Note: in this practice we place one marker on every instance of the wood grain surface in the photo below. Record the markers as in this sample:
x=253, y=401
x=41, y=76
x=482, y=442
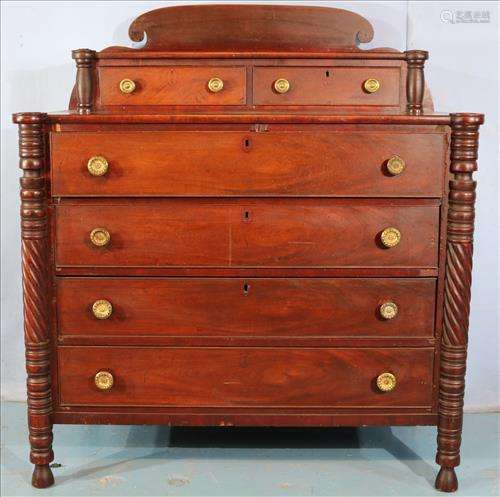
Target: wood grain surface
x=239, y=377
x=172, y=85
x=233, y=163
x=256, y=233
x=247, y=307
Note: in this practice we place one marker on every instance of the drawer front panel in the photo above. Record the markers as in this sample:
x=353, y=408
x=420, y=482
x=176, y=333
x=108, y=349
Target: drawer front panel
x=181, y=85
x=247, y=307
x=286, y=233
x=326, y=86
x=192, y=163
x=239, y=377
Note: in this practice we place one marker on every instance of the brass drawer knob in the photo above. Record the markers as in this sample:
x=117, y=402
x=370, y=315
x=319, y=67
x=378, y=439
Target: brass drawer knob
x=371, y=85
x=395, y=165
x=127, y=86
x=215, y=85
x=282, y=85
x=97, y=165
x=103, y=380
x=388, y=310
x=390, y=237
x=100, y=237
x=386, y=382
x=102, y=309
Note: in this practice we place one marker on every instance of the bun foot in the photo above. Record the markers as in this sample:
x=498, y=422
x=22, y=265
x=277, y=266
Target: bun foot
x=446, y=480
x=42, y=476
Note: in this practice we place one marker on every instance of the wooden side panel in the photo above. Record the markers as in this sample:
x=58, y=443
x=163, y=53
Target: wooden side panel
x=239, y=377
x=247, y=307
x=232, y=163
x=245, y=234
x=171, y=85
x=326, y=86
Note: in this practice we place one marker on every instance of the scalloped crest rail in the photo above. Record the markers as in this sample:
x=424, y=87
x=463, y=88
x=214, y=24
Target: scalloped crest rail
x=250, y=28
x=249, y=155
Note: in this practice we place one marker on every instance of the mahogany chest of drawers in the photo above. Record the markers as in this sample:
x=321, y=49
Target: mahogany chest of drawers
x=247, y=221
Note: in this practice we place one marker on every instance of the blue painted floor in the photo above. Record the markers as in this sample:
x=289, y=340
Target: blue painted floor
x=156, y=461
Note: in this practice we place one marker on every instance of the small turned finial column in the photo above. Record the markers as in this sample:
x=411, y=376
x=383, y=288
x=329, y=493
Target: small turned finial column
x=36, y=291
x=415, y=80
x=85, y=61
x=457, y=293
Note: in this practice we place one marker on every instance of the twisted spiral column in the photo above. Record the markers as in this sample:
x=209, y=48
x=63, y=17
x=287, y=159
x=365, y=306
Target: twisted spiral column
x=34, y=233
x=460, y=229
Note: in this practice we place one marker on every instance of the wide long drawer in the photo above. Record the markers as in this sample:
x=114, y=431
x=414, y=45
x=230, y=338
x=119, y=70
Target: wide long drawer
x=264, y=307
x=264, y=233
x=234, y=163
x=239, y=377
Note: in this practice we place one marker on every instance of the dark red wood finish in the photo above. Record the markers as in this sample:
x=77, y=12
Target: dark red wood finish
x=173, y=85
x=236, y=163
x=232, y=307
x=245, y=377
x=258, y=233
x=36, y=291
x=245, y=267
x=326, y=86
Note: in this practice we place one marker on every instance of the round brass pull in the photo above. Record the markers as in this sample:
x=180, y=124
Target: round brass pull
x=390, y=237
x=127, y=86
x=103, y=380
x=371, y=85
x=282, y=85
x=396, y=165
x=386, y=382
x=100, y=237
x=215, y=85
x=102, y=309
x=388, y=310
x=97, y=165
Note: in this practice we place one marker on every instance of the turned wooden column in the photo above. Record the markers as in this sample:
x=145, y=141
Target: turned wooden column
x=415, y=80
x=85, y=60
x=36, y=288
x=460, y=228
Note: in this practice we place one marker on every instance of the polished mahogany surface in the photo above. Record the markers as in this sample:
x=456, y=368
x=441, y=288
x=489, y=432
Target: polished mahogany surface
x=216, y=233
x=244, y=377
x=264, y=307
x=248, y=221
x=305, y=162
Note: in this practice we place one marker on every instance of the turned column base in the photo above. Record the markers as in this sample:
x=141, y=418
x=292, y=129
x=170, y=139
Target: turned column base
x=446, y=480
x=42, y=476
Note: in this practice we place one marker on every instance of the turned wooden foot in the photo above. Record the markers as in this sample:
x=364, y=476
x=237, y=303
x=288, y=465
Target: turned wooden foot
x=446, y=480
x=42, y=476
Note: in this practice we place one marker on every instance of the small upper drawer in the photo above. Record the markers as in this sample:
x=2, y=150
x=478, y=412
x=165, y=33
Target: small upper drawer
x=326, y=86
x=176, y=85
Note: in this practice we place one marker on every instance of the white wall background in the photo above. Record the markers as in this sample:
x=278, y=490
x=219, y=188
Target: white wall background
x=37, y=74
